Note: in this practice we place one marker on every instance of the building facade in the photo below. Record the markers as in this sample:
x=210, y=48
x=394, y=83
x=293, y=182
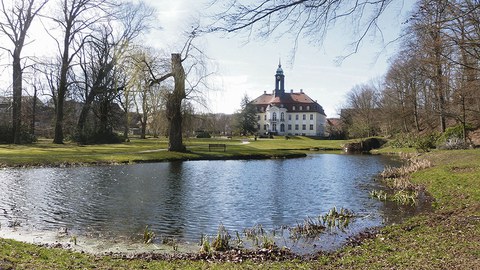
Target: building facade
x=288, y=113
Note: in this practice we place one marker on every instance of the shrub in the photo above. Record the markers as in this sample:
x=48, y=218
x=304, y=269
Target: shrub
x=203, y=134
x=452, y=138
x=6, y=135
x=426, y=142
x=99, y=137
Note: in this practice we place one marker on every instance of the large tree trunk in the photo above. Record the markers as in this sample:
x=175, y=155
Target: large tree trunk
x=17, y=97
x=82, y=119
x=62, y=89
x=174, y=106
x=34, y=110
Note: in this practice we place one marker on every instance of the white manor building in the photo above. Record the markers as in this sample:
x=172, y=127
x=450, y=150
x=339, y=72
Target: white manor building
x=292, y=113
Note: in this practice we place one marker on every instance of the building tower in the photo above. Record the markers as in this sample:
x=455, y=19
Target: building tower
x=279, y=81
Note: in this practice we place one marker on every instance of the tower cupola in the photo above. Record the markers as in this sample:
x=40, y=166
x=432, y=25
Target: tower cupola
x=279, y=80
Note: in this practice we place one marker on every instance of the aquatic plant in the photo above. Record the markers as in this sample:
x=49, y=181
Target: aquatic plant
x=205, y=244
x=310, y=228
x=337, y=219
x=222, y=241
x=14, y=224
x=402, y=197
x=148, y=235
x=405, y=197
x=255, y=231
x=268, y=243
x=238, y=240
x=414, y=164
x=74, y=240
x=378, y=194
x=170, y=241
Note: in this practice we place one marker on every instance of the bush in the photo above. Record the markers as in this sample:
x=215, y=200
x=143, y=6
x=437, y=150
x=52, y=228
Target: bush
x=6, y=135
x=426, y=142
x=203, y=134
x=452, y=138
x=402, y=140
x=99, y=137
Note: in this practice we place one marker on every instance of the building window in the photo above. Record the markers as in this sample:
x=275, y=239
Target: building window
x=274, y=116
x=296, y=116
x=258, y=117
x=282, y=116
x=311, y=116
x=265, y=127
x=293, y=108
x=304, y=127
x=304, y=117
x=282, y=128
x=308, y=108
x=289, y=117
x=258, y=127
x=311, y=127
x=274, y=127
x=265, y=117
x=289, y=127
x=301, y=108
x=296, y=127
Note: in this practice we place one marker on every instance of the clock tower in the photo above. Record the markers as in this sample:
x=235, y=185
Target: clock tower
x=279, y=81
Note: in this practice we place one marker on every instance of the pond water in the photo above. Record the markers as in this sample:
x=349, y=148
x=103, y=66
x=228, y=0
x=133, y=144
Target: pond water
x=184, y=200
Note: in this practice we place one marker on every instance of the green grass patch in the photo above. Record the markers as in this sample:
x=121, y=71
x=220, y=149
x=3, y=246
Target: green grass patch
x=149, y=150
x=446, y=238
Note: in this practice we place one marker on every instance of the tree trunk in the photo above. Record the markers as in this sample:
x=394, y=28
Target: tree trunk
x=104, y=109
x=34, y=110
x=62, y=89
x=174, y=106
x=82, y=119
x=17, y=97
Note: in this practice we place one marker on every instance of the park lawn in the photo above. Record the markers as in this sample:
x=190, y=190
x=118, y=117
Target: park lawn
x=446, y=238
x=45, y=153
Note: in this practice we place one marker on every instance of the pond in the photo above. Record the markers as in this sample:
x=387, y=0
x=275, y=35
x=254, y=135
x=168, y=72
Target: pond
x=185, y=200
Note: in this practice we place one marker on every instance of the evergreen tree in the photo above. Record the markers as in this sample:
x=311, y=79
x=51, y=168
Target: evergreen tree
x=246, y=117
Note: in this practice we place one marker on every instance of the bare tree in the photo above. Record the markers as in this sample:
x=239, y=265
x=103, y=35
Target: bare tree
x=362, y=112
x=103, y=50
x=75, y=20
x=175, y=98
x=16, y=19
x=300, y=18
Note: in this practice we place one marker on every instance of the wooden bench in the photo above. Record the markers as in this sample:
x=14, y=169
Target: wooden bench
x=217, y=145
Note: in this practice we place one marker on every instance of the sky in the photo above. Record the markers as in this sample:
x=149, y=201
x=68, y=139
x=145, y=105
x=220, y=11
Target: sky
x=248, y=67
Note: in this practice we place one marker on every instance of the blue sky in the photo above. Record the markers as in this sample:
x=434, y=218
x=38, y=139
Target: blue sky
x=249, y=67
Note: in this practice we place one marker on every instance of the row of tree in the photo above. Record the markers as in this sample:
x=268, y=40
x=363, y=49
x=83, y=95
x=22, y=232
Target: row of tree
x=433, y=81
x=98, y=65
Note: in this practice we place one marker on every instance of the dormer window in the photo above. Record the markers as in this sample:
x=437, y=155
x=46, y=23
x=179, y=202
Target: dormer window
x=308, y=108
x=293, y=108
x=301, y=108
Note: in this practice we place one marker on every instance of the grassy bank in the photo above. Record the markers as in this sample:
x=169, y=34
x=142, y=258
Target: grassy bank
x=447, y=238
x=44, y=153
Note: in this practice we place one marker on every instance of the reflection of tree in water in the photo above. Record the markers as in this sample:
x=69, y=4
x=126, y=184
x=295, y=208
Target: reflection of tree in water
x=172, y=214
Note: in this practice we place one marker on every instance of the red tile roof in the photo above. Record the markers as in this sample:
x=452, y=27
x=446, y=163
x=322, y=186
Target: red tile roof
x=288, y=100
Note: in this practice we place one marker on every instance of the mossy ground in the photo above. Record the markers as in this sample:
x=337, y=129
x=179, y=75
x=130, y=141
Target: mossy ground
x=446, y=238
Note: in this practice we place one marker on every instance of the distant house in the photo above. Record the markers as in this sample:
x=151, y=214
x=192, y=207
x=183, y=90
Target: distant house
x=288, y=113
x=5, y=110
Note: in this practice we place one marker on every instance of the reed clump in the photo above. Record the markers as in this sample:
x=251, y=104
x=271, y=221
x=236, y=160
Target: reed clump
x=398, y=180
x=148, y=235
x=313, y=227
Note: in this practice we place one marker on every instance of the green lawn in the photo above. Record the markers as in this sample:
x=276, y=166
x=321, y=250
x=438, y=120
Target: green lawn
x=446, y=238
x=137, y=150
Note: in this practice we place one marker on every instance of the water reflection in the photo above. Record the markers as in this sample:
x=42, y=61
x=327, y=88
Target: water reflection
x=186, y=199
